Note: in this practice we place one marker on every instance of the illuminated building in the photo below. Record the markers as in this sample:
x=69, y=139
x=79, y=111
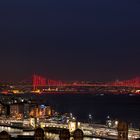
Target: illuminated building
x=33, y=122
x=49, y=111
x=20, y=110
x=72, y=125
x=42, y=111
x=16, y=109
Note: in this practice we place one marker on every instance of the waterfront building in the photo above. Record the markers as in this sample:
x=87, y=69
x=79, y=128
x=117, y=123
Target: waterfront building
x=72, y=125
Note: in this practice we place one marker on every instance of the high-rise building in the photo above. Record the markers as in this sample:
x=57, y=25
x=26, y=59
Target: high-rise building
x=20, y=110
x=3, y=110
x=16, y=110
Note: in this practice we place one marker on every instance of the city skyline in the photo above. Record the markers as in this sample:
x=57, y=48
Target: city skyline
x=70, y=40
x=69, y=69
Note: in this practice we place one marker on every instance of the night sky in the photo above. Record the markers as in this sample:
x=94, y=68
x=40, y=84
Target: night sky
x=70, y=39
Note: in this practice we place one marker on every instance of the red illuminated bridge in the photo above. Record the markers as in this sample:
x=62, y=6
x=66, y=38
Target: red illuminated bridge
x=39, y=81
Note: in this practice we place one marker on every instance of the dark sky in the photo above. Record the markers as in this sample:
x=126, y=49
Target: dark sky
x=70, y=39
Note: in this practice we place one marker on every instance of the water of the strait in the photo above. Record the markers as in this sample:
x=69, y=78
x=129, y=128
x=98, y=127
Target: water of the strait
x=122, y=107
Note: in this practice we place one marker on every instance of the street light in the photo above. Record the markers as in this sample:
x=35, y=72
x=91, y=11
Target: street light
x=71, y=115
x=108, y=121
x=90, y=118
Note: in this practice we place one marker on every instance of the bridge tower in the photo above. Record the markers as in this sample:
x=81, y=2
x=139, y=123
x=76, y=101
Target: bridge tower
x=38, y=81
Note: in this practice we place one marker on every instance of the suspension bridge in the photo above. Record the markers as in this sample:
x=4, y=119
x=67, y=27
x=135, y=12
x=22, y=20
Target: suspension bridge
x=36, y=82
